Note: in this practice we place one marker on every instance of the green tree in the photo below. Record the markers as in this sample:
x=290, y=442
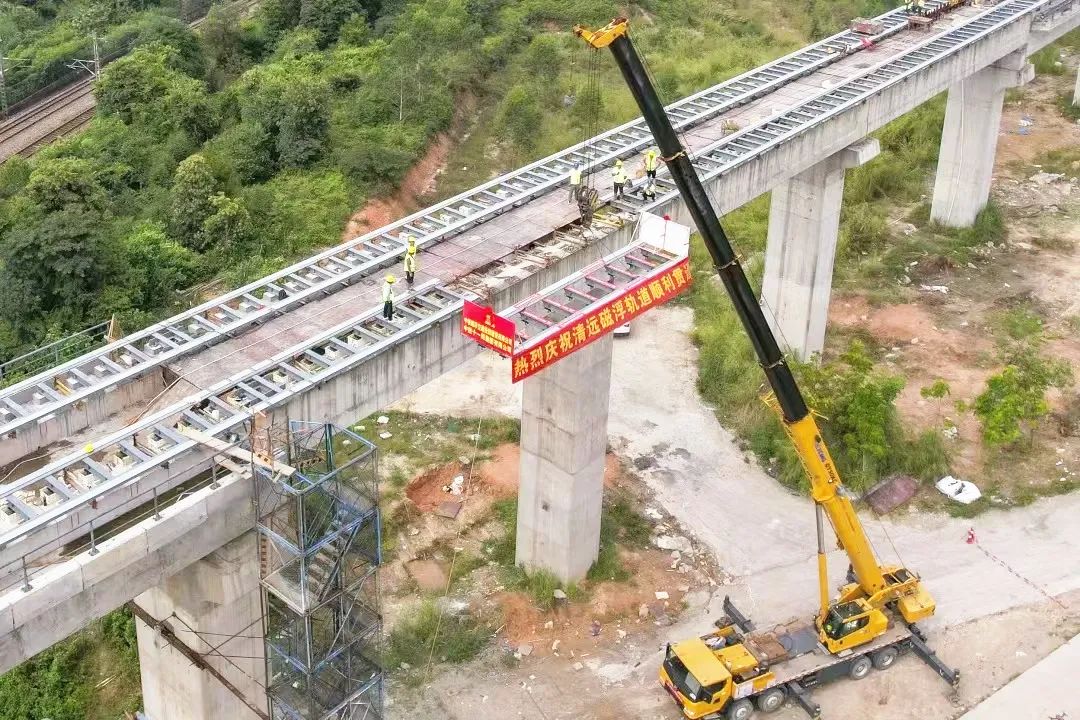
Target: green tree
x=1014, y=400
x=155, y=29
x=543, y=59
x=938, y=391
x=326, y=17
x=157, y=266
x=14, y=174
x=245, y=151
x=145, y=88
x=293, y=105
x=57, y=183
x=223, y=43
x=53, y=270
x=194, y=186
x=520, y=118
x=230, y=224
x=859, y=404
x=279, y=16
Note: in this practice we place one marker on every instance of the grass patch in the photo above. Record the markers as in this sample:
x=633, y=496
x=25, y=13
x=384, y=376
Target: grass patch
x=424, y=439
x=1066, y=108
x=1048, y=61
x=621, y=525
x=427, y=631
x=1018, y=323
x=464, y=565
x=1065, y=161
x=62, y=682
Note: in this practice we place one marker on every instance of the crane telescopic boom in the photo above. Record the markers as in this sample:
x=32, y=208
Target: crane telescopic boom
x=877, y=585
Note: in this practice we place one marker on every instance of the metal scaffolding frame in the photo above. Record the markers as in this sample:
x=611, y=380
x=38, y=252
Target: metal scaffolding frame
x=319, y=553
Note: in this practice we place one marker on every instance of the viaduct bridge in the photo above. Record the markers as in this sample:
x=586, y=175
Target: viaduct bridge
x=157, y=420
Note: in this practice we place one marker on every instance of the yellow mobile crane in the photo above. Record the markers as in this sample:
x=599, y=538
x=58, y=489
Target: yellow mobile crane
x=730, y=671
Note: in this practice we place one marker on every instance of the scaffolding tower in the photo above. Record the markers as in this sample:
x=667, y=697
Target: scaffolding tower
x=319, y=552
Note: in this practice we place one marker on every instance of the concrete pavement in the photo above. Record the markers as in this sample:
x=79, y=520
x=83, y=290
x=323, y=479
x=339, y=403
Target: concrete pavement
x=1047, y=690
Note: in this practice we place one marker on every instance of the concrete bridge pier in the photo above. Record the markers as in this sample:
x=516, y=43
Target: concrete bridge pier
x=969, y=139
x=804, y=219
x=218, y=597
x=563, y=451
x=1076, y=89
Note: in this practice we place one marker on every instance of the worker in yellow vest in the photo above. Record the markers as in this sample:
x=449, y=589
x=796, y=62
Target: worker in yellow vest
x=575, y=182
x=388, y=297
x=619, y=178
x=652, y=161
x=410, y=264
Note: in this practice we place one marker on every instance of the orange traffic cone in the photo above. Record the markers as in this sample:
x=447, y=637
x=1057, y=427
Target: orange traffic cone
x=971, y=536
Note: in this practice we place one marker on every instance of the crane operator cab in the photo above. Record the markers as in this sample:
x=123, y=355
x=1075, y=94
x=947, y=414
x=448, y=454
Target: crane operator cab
x=850, y=624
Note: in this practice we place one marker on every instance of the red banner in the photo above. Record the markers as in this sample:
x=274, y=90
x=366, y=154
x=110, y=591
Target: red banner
x=578, y=332
x=485, y=327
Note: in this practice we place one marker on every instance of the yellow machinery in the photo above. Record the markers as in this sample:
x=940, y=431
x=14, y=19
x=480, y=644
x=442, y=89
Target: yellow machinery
x=724, y=670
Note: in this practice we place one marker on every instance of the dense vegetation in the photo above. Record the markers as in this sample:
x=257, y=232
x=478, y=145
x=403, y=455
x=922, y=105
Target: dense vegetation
x=93, y=675
x=39, y=39
x=220, y=156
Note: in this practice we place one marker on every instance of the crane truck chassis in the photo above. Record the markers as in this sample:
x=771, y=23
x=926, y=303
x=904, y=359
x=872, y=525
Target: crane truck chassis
x=751, y=669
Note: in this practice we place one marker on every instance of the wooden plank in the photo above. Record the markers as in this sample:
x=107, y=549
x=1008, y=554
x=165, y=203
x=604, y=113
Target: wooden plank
x=220, y=446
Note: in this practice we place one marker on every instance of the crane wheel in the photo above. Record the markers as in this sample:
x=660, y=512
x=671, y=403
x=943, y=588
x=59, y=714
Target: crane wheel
x=740, y=710
x=884, y=658
x=771, y=700
x=860, y=668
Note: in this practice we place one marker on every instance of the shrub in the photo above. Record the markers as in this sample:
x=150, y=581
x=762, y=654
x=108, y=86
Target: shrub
x=1014, y=400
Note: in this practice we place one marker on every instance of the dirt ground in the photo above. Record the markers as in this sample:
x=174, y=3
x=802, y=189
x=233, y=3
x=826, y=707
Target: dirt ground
x=951, y=335
x=434, y=545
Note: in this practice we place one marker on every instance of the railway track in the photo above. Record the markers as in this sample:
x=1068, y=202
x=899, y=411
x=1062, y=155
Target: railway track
x=27, y=120
x=22, y=121
x=71, y=126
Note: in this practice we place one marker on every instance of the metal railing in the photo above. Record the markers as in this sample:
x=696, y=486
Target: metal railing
x=55, y=353
x=742, y=146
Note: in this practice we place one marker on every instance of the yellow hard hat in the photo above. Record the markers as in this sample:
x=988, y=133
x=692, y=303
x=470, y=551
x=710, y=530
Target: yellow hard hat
x=391, y=279
x=618, y=163
x=412, y=239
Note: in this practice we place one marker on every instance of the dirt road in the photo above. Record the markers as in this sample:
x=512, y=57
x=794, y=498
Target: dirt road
x=763, y=536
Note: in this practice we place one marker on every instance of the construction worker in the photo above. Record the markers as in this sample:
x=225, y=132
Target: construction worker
x=652, y=161
x=388, y=297
x=619, y=178
x=410, y=264
x=575, y=182
x=648, y=190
